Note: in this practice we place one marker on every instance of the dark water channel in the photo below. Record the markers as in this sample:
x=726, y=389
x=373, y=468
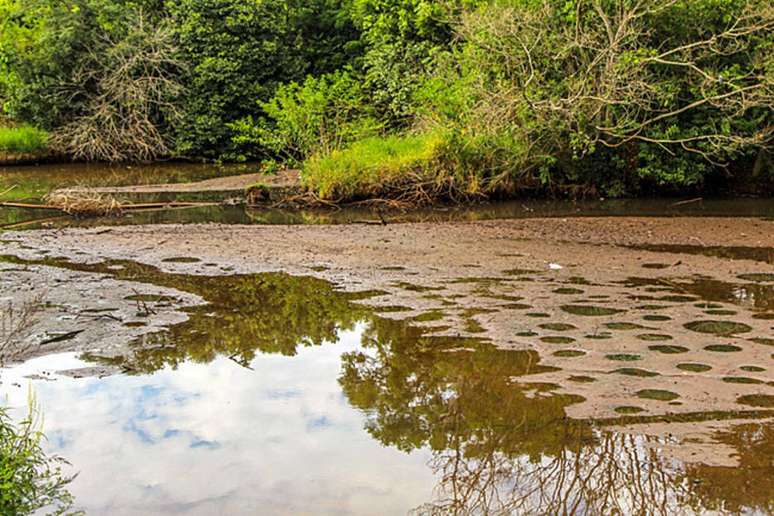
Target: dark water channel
x=284, y=396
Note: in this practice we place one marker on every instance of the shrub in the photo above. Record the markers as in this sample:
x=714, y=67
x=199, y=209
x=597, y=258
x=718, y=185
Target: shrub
x=318, y=116
x=30, y=480
x=614, y=93
x=22, y=140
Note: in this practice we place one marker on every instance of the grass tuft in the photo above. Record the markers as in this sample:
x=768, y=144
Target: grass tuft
x=22, y=140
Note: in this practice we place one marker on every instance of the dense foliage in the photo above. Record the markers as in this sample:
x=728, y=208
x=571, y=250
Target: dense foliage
x=416, y=98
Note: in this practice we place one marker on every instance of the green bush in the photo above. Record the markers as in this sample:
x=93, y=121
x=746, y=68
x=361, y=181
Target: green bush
x=239, y=53
x=317, y=116
x=30, y=480
x=22, y=140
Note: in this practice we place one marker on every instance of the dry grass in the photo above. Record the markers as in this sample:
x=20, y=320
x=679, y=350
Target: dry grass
x=14, y=320
x=84, y=203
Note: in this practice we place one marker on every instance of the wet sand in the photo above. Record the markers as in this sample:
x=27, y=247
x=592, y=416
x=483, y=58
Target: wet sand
x=614, y=320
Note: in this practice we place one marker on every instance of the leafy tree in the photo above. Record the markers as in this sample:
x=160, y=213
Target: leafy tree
x=240, y=52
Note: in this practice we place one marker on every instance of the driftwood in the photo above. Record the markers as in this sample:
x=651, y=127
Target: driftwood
x=122, y=207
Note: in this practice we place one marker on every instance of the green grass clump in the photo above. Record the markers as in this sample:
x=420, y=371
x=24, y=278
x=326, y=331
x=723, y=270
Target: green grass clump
x=415, y=169
x=370, y=166
x=22, y=140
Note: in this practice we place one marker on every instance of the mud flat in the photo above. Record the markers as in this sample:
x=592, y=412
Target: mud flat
x=629, y=330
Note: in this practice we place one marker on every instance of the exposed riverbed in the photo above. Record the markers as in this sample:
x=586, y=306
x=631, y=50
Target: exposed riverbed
x=537, y=365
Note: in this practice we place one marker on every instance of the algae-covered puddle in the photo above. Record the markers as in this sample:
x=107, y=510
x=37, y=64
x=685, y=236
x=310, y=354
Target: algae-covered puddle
x=284, y=396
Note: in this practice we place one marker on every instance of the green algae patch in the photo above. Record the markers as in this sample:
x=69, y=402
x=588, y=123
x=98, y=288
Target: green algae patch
x=538, y=315
x=657, y=394
x=623, y=357
x=757, y=400
x=753, y=369
x=654, y=317
x=742, y=379
x=590, y=310
x=582, y=379
x=627, y=409
x=556, y=339
x=656, y=266
x=668, y=350
x=633, y=371
x=763, y=340
x=721, y=312
x=432, y=315
x=515, y=306
x=565, y=291
x=569, y=353
x=600, y=336
x=723, y=348
x=181, y=259
x=527, y=334
x=558, y=326
x=653, y=337
x=718, y=327
x=762, y=277
x=694, y=368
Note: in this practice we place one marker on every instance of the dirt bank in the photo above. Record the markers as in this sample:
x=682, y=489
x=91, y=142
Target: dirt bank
x=620, y=323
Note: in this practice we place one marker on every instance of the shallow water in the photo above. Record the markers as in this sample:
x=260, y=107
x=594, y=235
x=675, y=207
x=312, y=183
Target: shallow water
x=32, y=183
x=285, y=396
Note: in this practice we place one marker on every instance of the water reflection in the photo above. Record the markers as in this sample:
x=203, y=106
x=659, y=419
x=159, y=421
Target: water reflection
x=284, y=396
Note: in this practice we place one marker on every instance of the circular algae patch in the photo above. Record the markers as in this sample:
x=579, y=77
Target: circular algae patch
x=623, y=357
x=652, y=337
x=569, y=353
x=718, y=327
x=558, y=326
x=627, y=409
x=657, y=394
x=633, y=371
x=556, y=339
x=694, y=368
x=668, y=350
x=742, y=379
x=757, y=400
x=723, y=348
x=181, y=259
x=590, y=310
x=567, y=291
x=582, y=379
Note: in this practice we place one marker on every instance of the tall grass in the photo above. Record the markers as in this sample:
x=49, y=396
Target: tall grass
x=417, y=169
x=22, y=140
x=30, y=480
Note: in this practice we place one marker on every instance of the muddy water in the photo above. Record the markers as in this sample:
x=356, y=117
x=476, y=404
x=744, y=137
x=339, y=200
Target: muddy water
x=285, y=396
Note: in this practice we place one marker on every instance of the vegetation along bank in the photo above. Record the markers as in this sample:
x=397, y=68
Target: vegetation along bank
x=412, y=100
